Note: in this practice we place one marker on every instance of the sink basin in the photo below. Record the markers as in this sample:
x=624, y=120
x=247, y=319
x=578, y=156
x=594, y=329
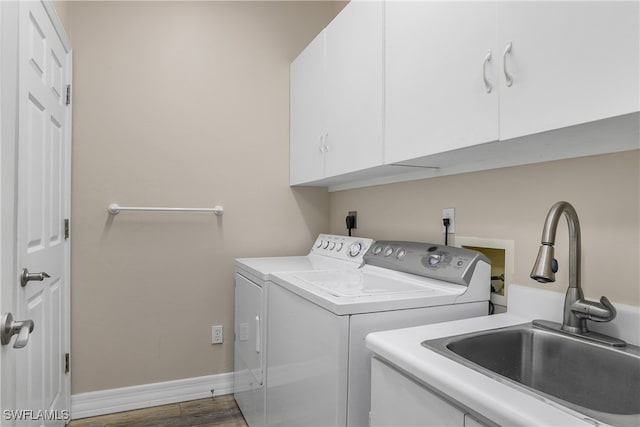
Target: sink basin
x=599, y=381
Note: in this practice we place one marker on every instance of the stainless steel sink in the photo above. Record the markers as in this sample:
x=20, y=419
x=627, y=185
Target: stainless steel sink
x=602, y=382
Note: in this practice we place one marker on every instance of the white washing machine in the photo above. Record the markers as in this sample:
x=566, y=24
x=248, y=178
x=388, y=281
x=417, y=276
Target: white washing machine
x=317, y=362
x=252, y=275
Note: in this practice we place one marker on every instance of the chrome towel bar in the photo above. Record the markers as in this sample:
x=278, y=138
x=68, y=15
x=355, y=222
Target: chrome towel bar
x=115, y=209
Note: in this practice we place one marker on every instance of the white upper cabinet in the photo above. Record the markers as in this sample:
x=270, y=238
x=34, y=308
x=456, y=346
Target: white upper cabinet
x=552, y=64
x=441, y=77
x=336, y=97
x=354, y=88
x=440, y=85
x=308, y=113
x=571, y=63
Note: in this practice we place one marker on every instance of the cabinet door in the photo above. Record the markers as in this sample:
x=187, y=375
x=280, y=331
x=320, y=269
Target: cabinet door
x=572, y=62
x=307, y=113
x=436, y=97
x=399, y=401
x=354, y=88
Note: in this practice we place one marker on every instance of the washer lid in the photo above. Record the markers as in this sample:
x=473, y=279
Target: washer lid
x=368, y=290
x=358, y=283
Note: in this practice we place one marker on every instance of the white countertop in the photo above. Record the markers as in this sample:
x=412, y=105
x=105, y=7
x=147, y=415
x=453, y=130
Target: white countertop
x=495, y=400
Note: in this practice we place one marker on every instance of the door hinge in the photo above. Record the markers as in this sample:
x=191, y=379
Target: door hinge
x=66, y=229
x=67, y=363
x=68, y=101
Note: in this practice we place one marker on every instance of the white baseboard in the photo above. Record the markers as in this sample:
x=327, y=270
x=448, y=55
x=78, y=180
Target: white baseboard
x=143, y=396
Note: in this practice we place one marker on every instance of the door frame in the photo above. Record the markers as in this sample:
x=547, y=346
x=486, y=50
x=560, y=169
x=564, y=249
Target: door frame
x=66, y=44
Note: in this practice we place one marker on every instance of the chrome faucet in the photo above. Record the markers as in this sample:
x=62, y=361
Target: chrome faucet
x=577, y=310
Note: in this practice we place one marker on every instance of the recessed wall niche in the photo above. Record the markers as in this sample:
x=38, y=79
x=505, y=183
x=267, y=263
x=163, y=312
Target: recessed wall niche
x=501, y=253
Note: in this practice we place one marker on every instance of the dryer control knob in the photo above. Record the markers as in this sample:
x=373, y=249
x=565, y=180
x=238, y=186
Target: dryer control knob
x=355, y=249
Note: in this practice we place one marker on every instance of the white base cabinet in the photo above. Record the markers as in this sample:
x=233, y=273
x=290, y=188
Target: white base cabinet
x=397, y=400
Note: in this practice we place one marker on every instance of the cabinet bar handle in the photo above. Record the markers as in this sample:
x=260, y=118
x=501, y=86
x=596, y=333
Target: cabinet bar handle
x=507, y=75
x=258, y=335
x=487, y=82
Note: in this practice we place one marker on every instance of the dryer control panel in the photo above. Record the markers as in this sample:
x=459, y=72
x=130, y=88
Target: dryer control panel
x=346, y=248
x=447, y=263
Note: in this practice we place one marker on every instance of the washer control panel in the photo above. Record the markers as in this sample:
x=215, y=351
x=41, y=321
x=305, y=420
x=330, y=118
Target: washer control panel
x=342, y=247
x=447, y=263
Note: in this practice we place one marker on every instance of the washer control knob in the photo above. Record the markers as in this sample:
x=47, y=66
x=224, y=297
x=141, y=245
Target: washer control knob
x=355, y=249
x=325, y=245
x=434, y=260
x=400, y=253
x=339, y=246
x=332, y=245
x=388, y=251
x=377, y=249
x=319, y=244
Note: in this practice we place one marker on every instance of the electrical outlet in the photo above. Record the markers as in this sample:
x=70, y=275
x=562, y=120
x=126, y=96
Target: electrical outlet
x=451, y=214
x=354, y=214
x=217, y=334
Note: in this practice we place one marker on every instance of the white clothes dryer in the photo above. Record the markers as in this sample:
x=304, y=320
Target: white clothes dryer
x=317, y=362
x=252, y=275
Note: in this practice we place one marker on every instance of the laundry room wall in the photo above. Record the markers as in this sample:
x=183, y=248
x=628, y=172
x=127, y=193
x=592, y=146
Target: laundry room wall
x=511, y=204
x=62, y=10
x=182, y=104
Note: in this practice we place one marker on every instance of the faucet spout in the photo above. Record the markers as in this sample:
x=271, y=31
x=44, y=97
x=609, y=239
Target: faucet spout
x=546, y=265
x=577, y=310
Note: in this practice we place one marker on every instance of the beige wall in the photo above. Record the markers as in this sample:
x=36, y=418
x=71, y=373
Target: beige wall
x=186, y=104
x=62, y=10
x=512, y=204
x=178, y=104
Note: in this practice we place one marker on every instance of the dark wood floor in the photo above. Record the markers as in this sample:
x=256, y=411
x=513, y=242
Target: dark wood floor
x=220, y=411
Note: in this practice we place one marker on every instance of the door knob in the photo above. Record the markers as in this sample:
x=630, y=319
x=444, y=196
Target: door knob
x=10, y=327
x=26, y=277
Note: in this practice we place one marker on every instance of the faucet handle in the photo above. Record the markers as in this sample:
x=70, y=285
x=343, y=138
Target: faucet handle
x=602, y=311
x=609, y=308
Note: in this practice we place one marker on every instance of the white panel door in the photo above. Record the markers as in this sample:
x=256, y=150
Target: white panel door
x=43, y=204
x=308, y=105
x=572, y=62
x=354, y=88
x=8, y=132
x=437, y=77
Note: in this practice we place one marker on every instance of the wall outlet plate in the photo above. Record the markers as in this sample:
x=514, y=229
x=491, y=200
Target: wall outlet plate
x=451, y=214
x=217, y=334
